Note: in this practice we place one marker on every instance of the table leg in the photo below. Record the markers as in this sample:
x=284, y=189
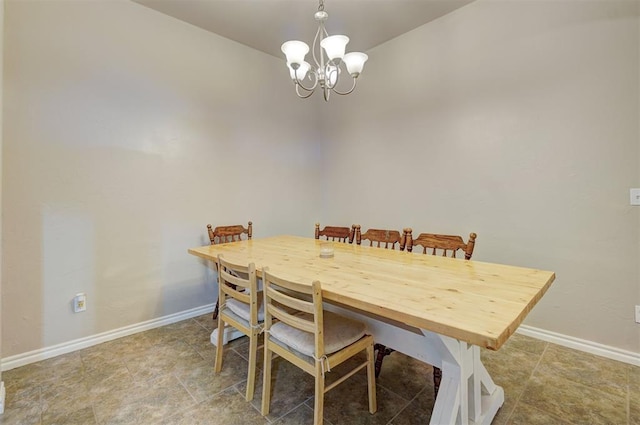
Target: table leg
x=467, y=393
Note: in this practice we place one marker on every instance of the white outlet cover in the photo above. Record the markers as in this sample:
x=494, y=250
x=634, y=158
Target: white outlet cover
x=638, y=314
x=634, y=196
x=80, y=303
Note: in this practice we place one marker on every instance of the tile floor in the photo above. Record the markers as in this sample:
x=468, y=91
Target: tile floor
x=165, y=376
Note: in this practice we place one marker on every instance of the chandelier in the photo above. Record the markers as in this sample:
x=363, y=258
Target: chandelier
x=328, y=55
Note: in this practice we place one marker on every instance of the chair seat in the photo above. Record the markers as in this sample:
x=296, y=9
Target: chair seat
x=242, y=310
x=339, y=332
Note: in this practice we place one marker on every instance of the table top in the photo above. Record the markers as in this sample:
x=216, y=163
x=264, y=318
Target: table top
x=473, y=301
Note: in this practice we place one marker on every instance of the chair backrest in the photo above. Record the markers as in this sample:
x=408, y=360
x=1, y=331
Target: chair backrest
x=233, y=284
x=382, y=238
x=446, y=245
x=222, y=234
x=335, y=233
x=285, y=301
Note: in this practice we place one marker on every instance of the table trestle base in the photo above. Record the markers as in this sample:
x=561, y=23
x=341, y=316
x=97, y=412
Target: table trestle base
x=467, y=393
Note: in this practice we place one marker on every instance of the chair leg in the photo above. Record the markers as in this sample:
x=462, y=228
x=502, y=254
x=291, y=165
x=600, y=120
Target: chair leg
x=371, y=381
x=266, y=381
x=214, y=316
x=251, y=378
x=318, y=406
x=218, y=365
x=382, y=351
x=437, y=378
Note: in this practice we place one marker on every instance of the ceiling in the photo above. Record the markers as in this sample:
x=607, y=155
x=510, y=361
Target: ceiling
x=266, y=24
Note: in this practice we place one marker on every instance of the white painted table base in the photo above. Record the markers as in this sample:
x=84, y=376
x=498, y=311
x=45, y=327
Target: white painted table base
x=230, y=334
x=467, y=393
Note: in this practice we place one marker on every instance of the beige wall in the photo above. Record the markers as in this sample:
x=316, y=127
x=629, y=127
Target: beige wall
x=517, y=120
x=514, y=119
x=127, y=132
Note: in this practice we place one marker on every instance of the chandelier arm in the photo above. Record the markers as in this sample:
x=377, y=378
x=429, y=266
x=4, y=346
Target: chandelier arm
x=327, y=75
x=313, y=46
x=298, y=83
x=350, y=90
x=304, y=96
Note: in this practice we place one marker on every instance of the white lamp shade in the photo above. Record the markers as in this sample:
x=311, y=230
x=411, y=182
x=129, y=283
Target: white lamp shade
x=301, y=72
x=334, y=46
x=295, y=51
x=355, y=62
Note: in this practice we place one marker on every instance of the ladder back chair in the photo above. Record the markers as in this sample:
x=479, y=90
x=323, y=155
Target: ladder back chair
x=335, y=233
x=223, y=234
x=382, y=238
x=240, y=307
x=312, y=339
x=433, y=244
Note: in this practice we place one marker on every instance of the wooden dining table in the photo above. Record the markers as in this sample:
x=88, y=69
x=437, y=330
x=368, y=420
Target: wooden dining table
x=436, y=309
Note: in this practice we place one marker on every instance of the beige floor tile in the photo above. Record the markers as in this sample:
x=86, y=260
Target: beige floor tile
x=165, y=376
x=165, y=396
x=169, y=356
x=202, y=382
x=206, y=321
x=117, y=349
x=525, y=343
x=348, y=403
x=528, y=415
x=302, y=415
x=22, y=396
x=634, y=399
x=112, y=377
x=243, y=350
x=22, y=377
x=83, y=416
x=573, y=402
x=290, y=387
x=404, y=375
x=24, y=415
x=65, y=395
x=418, y=411
x=225, y=408
x=587, y=369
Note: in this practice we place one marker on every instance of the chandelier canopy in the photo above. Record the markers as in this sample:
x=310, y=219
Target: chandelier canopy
x=328, y=54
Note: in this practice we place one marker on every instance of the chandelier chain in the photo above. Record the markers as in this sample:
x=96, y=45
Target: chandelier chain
x=321, y=6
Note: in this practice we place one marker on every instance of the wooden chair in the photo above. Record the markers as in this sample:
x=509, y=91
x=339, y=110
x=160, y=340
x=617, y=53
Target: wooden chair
x=433, y=244
x=312, y=339
x=333, y=233
x=241, y=307
x=223, y=234
x=380, y=237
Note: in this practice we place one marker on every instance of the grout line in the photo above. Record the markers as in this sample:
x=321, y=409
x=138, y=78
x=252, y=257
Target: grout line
x=406, y=405
x=526, y=385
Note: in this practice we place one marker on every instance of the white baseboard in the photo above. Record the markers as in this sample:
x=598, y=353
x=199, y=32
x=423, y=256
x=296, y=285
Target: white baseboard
x=78, y=344
x=581, y=345
x=2, y=393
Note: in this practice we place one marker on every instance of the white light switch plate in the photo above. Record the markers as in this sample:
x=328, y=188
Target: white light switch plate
x=634, y=196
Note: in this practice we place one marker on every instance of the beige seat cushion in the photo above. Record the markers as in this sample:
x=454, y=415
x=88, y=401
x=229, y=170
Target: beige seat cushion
x=339, y=332
x=241, y=309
